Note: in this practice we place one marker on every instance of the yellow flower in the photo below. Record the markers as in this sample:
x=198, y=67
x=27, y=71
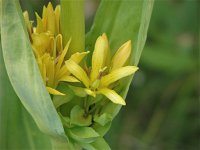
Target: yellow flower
x=50, y=21
x=102, y=75
x=47, y=44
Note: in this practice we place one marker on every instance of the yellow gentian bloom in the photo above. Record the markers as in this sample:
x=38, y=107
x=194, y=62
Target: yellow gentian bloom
x=102, y=75
x=47, y=44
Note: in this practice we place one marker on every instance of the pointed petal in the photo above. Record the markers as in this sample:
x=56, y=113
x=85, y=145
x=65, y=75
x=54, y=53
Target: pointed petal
x=69, y=79
x=90, y=92
x=57, y=16
x=107, y=52
x=40, y=27
x=50, y=72
x=77, y=57
x=77, y=71
x=44, y=18
x=117, y=74
x=62, y=72
x=51, y=21
x=98, y=57
x=41, y=41
x=54, y=91
x=62, y=56
x=59, y=44
x=121, y=56
x=112, y=95
x=52, y=47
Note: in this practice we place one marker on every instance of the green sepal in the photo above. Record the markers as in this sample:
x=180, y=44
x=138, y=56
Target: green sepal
x=101, y=130
x=83, y=134
x=78, y=91
x=99, y=144
x=78, y=117
x=103, y=119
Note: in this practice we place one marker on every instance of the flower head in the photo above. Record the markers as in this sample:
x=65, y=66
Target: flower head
x=47, y=44
x=102, y=74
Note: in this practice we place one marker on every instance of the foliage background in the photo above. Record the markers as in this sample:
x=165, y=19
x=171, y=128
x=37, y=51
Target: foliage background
x=162, y=109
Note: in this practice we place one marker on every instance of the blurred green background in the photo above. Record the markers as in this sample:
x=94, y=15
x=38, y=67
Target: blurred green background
x=162, y=111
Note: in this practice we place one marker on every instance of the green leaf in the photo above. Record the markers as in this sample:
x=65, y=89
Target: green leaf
x=79, y=118
x=73, y=24
x=100, y=143
x=83, y=134
x=23, y=71
x=17, y=129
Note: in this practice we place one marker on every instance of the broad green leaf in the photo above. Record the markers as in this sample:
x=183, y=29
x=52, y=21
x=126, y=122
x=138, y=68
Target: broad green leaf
x=17, y=129
x=78, y=117
x=73, y=24
x=83, y=134
x=122, y=21
x=23, y=71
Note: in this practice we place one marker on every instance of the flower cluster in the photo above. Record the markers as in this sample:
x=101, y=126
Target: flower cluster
x=100, y=77
x=47, y=44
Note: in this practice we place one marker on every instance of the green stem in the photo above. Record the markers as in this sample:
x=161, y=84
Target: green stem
x=73, y=24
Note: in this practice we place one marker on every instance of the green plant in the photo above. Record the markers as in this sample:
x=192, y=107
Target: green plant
x=61, y=118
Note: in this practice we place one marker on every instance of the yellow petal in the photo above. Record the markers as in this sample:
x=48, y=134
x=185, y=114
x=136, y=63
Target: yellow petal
x=107, y=51
x=112, y=95
x=98, y=57
x=42, y=68
x=40, y=27
x=68, y=78
x=41, y=41
x=51, y=21
x=54, y=91
x=62, y=56
x=62, y=72
x=77, y=57
x=117, y=74
x=90, y=92
x=50, y=72
x=52, y=47
x=121, y=56
x=77, y=71
x=44, y=18
x=57, y=16
x=59, y=44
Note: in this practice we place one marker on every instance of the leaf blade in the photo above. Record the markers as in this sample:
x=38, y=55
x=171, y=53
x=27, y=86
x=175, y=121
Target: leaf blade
x=23, y=71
